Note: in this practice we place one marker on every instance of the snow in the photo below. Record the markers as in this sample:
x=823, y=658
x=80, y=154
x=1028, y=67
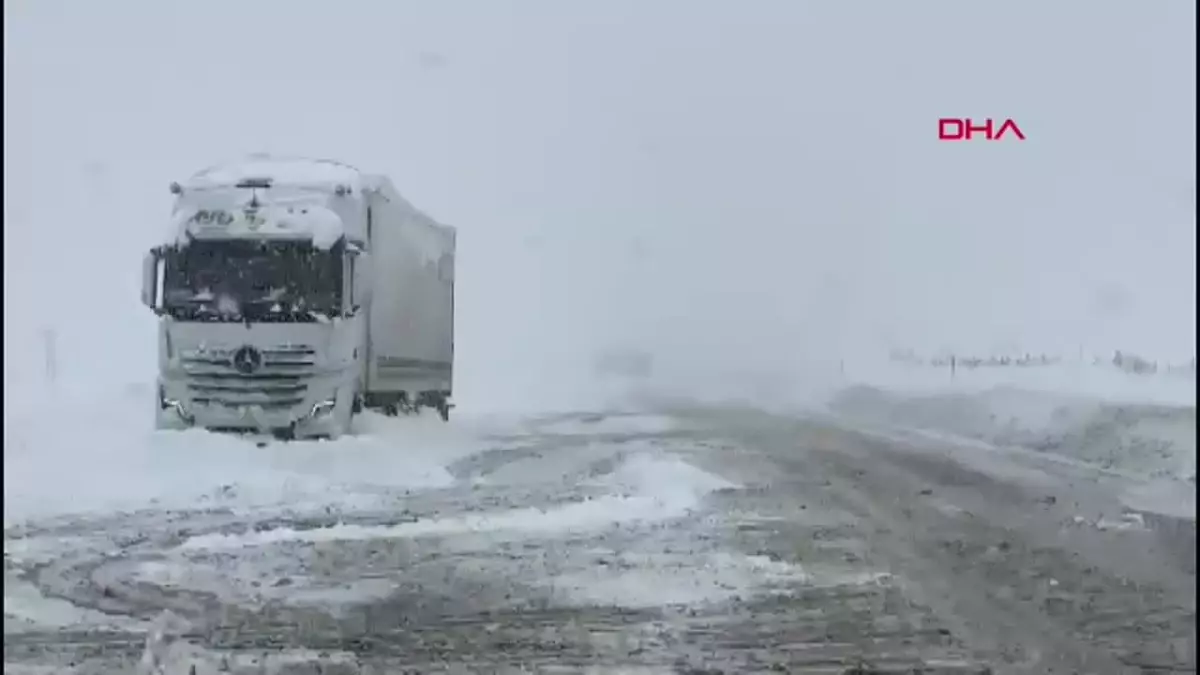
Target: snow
x=663, y=579
x=1146, y=440
x=546, y=387
x=108, y=458
x=281, y=169
x=643, y=580
x=1166, y=497
x=108, y=462
x=212, y=205
x=181, y=658
x=654, y=489
x=608, y=424
x=1073, y=378
x=1135, y=430
x=117, y=462
x=167, y=656
x=26, y=607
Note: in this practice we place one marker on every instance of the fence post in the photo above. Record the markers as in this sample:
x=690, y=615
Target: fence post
x=50, y=352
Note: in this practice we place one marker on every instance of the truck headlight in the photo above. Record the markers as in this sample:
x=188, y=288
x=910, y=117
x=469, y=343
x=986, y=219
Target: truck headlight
x=322, y=408
x=172, y=404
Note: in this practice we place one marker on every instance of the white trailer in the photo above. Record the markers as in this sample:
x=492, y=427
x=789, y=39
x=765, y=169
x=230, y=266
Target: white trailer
x=410, y=336
x=293, y=293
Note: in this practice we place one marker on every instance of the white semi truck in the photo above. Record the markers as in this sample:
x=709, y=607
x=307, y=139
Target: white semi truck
x=292, y=294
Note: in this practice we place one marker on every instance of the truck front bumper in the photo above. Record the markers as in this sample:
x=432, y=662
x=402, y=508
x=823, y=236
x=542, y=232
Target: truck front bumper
x=318, y=416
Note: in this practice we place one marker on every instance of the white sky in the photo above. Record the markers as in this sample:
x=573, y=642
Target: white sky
x=722, y=182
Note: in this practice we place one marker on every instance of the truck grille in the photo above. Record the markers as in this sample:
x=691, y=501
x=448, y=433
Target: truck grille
x=280, y=383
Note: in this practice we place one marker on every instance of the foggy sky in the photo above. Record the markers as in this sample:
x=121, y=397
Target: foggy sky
x=732, y=184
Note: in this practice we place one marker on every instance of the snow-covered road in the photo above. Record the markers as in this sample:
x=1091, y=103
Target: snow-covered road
x=700, y=539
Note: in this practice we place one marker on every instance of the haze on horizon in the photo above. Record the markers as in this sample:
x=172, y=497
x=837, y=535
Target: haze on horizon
x=729, y=185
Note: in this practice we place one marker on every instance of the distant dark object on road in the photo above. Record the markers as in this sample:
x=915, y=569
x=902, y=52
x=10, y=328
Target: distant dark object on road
x=624, y=362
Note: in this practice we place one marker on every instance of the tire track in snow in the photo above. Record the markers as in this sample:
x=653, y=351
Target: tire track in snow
x=993, y=559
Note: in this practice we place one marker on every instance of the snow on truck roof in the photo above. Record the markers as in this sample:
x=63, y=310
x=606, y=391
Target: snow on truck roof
x=280, y=171
x=214, y=203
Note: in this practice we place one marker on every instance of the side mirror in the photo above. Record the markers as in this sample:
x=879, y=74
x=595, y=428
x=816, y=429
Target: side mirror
x=150, y=278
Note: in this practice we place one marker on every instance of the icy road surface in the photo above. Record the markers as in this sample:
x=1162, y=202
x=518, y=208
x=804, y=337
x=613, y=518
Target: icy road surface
x=689, y=541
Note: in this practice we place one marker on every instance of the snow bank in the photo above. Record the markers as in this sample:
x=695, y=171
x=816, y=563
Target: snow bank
x=807, y=382
x=87, y=451
x=1136, y=425
x=646, y=489
x=1078, y=378
x=25, y=606
x=1153, y=445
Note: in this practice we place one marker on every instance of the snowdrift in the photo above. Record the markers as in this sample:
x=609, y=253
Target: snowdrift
x=82, y=451
x=1147, y=440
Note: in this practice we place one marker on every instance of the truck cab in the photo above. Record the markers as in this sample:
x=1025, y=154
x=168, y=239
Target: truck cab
x=262, y=293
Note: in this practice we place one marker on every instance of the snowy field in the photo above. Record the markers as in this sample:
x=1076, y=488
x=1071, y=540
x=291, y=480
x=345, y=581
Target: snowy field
x=1139, y=431
x=1079, y=379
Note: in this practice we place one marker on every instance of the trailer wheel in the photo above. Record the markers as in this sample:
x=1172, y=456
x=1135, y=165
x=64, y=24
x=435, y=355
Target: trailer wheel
x=394, y=405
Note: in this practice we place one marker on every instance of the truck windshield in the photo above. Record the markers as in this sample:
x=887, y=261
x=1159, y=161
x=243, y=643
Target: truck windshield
x=238, y=280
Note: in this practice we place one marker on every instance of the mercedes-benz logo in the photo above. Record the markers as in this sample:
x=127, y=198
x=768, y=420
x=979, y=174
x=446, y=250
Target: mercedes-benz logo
x=247, y=359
